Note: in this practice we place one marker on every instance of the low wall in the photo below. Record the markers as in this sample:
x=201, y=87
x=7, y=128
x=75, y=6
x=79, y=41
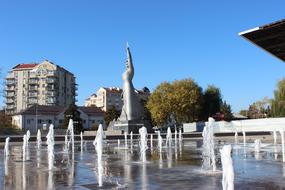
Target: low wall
x=248, y=125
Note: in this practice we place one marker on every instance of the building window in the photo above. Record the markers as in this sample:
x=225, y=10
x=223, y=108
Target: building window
x=43, y=85
x=39, y=121
x=50, y=121
x=84, y=121
x=60, y=121
x=28, y=121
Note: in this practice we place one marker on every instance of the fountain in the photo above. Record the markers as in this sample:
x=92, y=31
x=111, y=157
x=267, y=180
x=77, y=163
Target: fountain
x=159, y=143
x=274, y=137
x=175, y=135
x=131, y=136
x=70, y=132
x=98, y=143
x=39, y=139
x=209, y=158
x=6, y=148
x=143, y=143
x=282, y=144
x=257, y=143
x=168, y=137
x=24, y=147
x=228, y=171
x=236, y=137
x=180, y=135
x=244, y=137
x=119, y=142
x=50, y=144
x=126, y=140
x=81, y=141
x=28, y=137
x=151, y=141
x=65, y=143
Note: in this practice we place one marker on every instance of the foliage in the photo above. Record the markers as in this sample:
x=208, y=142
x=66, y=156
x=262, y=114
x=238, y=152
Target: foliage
x=243, y=112
x=227, y=111
x=258, y=109
x=72, y=113
x=6, y=127
x=278, y=103
x=183, y=98
x=111, y=115
x=146, y=113
x=212, y=101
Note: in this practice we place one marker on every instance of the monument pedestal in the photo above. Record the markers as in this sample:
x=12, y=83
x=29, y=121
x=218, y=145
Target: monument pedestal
x=132, y=126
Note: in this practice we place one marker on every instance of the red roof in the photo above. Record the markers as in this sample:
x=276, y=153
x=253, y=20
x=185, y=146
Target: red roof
x=25, y=66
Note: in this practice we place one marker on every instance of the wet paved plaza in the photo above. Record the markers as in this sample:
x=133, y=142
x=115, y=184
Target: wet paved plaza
x=178, y=167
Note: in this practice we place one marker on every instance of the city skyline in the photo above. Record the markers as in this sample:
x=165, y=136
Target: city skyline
x=169, y=41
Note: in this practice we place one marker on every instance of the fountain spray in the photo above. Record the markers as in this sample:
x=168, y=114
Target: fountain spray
x=236, y=137
x=70, y=131
x=24, y=147
x=209, y=158
x=168, y=137
x=6, y=149
x=257, y=143
x=143, y=143
x=244, y=137
x=39, y=139
x=275, y=137
x=98, y=143
x=228, y=171
x=28, y=137
x=50, y=143
x=81, y=141
x=159, y=141
x=282, y=143
x=126, y=139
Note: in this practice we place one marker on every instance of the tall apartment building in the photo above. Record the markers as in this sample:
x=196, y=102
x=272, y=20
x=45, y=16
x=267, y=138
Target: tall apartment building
x=42, y=84
x=105, y=98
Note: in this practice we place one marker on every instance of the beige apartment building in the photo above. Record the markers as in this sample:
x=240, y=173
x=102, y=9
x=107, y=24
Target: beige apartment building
x=44, y=84
x=105, y=98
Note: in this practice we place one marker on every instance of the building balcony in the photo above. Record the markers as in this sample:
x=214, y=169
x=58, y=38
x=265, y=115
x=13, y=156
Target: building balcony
x=50, y=80
x=50, y=93
x=10, y=101
x=32, y=95
x=33, y=88
x=10, y=95
x=10, y=107
x=10, y=82
x=32, y=101
x=33, y=81
x=33, y=75
x=51, y=87
x=10, y=88
x=51, y=74
x=51, y=100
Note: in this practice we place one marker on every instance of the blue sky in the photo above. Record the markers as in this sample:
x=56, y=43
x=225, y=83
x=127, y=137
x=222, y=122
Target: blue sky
x=169, y=39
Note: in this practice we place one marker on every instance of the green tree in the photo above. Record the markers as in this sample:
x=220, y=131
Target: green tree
x=227, y=111
x=72, y=113
x=278, y=103
x=183, y=98
x=111, y=114
x=146, y=113
x=212, y=101
x=244, y=112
